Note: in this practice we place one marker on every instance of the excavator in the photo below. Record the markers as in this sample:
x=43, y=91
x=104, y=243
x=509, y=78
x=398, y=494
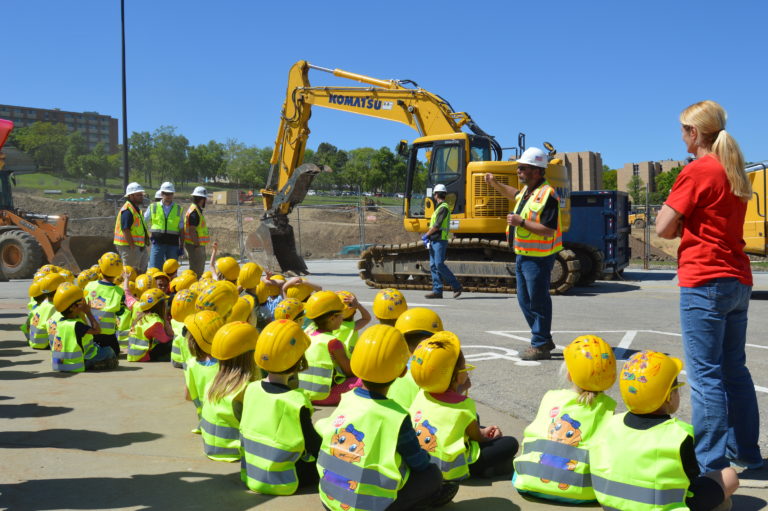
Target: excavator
x=478, y=252
x=29, y=240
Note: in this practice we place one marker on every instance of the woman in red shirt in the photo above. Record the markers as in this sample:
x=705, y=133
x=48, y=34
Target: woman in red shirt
x=706, y=208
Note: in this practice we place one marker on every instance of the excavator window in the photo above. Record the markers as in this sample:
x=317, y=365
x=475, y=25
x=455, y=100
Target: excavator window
x=446, y=163
x=480, y=149
x=6, y=200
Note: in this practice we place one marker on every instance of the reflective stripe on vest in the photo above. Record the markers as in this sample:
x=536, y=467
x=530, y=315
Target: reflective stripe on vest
x=317, y=379
x=138, y=229
x=270, y=477
x=38, y=326
x=527, y=242
x=446, y=223
x=638, y=493
x=202, y=228
x=66, y=353
x=106, y=301
x=550, y=473
x=138, y=344
x=107, y=320
x=219, y=431
x=356, y=473
x=220, y=427
x=268, y=452
x=162, y=224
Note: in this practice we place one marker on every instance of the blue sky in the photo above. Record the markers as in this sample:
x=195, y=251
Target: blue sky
x=609, y=77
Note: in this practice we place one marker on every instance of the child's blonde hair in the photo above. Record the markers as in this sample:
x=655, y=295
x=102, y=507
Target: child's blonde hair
x=233, y=375
x=586, y=397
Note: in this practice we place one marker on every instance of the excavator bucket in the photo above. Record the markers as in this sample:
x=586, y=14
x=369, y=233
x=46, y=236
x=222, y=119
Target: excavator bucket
x=273, y=246
x=77, y=253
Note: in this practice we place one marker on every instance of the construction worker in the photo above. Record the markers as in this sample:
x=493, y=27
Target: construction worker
x=196, y=231
x=537, y=240
x=166, y=223
x=644, y=459
x=436, y=240
x=200, y=368
x=107, y=300
x=388, y=305
x=554, y=464
x=370, y=457
x=280, y=444
x=131, y=236
x=158, y=196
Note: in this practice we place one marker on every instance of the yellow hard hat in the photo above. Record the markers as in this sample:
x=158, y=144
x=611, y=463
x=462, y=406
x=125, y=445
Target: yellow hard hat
x=300, y=291
x=322, y=303
x=48, y=268
x=93, y=275
x=203, y=326
x=389, y=304
x=110, y=264
x=646, y=380
x=150, y=298
x=189, y=271
x=219, y=296
x=380, y=354
x=82, y=280
x=170, y=266
x=346, y=296
x=66, y=295
x=290, y=308
x=242, y=309
x=419, y=319
x=228, y=268
x=144, y=282
x=68, y=276
x=184, y=281
x=152, y=271
x=50, y=282
x=250, y=275
x=434, y=361
x=281, y=344
x=38, y=275
x=234, y=339
x=195, y=287
x=207, y=275
x=133, y=289
x=161, y=275
x=131, y=271
x=590, y=363
x=183, y=305
x=34, y=290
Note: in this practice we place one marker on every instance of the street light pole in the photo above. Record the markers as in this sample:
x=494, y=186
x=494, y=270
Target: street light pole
x=126, y=167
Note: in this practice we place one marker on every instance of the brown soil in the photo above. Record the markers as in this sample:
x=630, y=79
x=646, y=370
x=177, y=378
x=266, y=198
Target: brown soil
x=661, y=249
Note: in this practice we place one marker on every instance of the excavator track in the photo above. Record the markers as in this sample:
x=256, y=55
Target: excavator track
x=480, y=265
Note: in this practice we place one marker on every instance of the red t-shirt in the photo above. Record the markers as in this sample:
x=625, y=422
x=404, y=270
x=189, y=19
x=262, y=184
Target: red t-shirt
x=712, y=245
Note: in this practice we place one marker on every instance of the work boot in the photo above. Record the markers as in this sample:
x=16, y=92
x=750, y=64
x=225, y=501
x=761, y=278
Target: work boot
x=536, y=354
x=433, y=295
x=457, y=292
x=446, y=494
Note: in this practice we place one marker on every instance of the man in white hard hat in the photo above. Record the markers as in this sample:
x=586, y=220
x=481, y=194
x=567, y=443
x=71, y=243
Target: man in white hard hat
x=436, y=240
x=131, y=236
x=196, y=231
x=165, y=222
x=158, y=196
x=537, y=239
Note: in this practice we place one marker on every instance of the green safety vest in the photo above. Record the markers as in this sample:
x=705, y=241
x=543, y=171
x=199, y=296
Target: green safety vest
x=105, y=301
x=138, y=229
x=53, y=323
x=441, y=430
x=348, y=336
x=554, y=463
x=180, y=346
x=161, y=224
x=358, y=463
x=138, y=343
x=403, y=390
x=38, y=325
x=220, y=428
x=528, y=243
x=202, y=228
x=66, y=354
x=124, y=321
x=317, y=379
x=446, y=224
x=272, y=439
x=197, y=376
x=640, y=470
x=24, y=327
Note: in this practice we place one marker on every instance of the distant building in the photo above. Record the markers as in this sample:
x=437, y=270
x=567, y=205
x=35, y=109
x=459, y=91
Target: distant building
x=647, y=170
x=585, y=170
x=95, y=127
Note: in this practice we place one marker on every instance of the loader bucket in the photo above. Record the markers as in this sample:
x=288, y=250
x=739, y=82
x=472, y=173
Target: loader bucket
x=77, y=253
x=273, y=246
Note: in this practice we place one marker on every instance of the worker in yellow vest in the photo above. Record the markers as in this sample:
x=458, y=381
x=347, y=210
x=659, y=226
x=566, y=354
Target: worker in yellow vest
x=131, y=236
x=537, y=240
x=436, y=240
x=644, y=459
x=196, y=231
x=165, y=221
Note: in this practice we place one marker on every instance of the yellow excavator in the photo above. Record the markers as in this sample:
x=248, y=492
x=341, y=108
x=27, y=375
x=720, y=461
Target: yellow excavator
x=444, y=153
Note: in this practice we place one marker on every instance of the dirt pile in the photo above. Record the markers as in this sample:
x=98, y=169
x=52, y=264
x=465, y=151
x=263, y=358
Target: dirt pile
x=661, y=249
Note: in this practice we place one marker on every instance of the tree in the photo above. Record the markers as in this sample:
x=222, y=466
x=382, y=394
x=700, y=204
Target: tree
x=609, y=179
x=47, y=144
x=636, y=190
x=207, y=161
x=140, y=156
x=76, y=148
x=664, y=183
x=169, y=154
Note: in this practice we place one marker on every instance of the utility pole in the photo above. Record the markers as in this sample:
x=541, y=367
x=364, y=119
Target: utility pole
x=126, y=167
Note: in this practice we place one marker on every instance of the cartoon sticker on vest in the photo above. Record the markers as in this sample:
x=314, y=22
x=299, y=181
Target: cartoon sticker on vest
x=425, y=432
x=52, y=327
x=57, y=344
x=564, y=430
x=35, y=319
x=98, y=302
x=347, y=445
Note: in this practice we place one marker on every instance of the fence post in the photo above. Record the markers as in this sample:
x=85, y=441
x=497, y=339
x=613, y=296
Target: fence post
x=298, y=227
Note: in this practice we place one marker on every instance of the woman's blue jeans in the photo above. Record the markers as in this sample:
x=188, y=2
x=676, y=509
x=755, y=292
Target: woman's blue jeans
x=726, y=421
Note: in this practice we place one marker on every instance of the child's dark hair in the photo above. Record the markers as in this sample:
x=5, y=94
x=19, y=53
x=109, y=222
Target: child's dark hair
x=414, y=338
x=379, y=388
x=322, y=321
x=194, y=350
x=459, y=362
x=158, y=308
x=300, y=365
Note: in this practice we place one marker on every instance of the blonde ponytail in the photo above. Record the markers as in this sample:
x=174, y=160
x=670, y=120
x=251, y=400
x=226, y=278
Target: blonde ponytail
x=709, y=118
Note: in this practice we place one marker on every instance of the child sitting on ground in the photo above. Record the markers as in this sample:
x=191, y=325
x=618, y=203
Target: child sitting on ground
x=182, y=305
x=554, y=464
x=200, y=367
x=151, y=332
x=38, y=325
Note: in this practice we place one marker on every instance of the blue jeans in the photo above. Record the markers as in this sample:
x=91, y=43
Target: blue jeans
x=440, y=271
x=160, y=253
x=725, y=416
x=102, y=353
x=533, y=275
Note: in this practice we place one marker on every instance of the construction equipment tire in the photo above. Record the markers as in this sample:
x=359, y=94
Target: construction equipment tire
x=566, y=272
x=20, y=254
x=590, y=264
x=639, y=224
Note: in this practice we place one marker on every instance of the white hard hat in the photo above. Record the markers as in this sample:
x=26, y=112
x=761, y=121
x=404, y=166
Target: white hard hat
x=440, y=188
x=158, y=194
x=133, y=188
x=167, y=187
x=200, y=191
x=534, y=156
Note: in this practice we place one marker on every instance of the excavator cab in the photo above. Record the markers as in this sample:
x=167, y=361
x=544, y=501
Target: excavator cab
x=6, y=197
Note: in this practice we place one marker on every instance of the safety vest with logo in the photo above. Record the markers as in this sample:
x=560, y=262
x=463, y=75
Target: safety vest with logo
x=38, y=325
x=640, y=470
x=105, y=300
x=67, y=355
x=446, y=224
x=138, y=229
x=358, y=462
x=528, y=243
x=179, y=347
x=318, y=378
x=162, y=223
x=124, y=320
x=554, y=463
x=138, y=343
x=272, y=439
x=348, y=336
x=201, y=228
x=441, y=430
x=53, y=323
x=198, y=374
x=24, y=327
x=220, y=427
x=404, y=390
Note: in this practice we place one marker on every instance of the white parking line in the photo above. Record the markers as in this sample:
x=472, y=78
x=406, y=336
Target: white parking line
x=626, y=341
